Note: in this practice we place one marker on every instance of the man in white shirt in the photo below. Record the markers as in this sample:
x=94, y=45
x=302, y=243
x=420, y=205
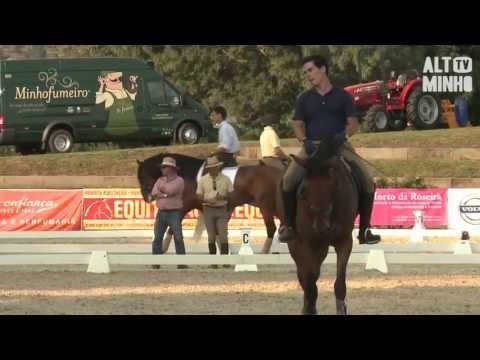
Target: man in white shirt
x=228, y=145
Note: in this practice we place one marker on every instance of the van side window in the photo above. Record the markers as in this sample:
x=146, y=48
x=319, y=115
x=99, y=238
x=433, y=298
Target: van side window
x=172, y=95
x=157, y=93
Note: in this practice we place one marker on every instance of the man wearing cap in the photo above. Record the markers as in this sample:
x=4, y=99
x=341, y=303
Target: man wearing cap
x=271, y=150
x=213, y=191
x=168, y=192
x=228, y=145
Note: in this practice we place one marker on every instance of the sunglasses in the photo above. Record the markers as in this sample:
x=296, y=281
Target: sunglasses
x=117, y=79
x=214, y=185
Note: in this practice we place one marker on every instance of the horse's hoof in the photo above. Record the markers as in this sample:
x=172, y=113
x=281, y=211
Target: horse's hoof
x=342, y=312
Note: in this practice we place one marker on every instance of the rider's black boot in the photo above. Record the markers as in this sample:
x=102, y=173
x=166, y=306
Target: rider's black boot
x=365, y=235
x=287, y=232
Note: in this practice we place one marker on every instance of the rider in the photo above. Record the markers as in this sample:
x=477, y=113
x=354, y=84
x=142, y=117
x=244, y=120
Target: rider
x=272, y=153
x=229, y=145
x=321, y=112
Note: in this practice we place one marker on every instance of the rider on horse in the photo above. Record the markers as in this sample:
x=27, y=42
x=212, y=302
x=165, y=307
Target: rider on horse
x=321, y=112
x=228, y=145
x=272, y=153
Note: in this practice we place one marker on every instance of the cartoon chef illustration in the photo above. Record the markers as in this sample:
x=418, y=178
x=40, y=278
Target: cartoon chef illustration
x=119, y=102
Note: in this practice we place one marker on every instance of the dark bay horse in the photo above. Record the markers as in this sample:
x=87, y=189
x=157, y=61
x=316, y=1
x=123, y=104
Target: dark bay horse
x=254, y=185
x=326, y=210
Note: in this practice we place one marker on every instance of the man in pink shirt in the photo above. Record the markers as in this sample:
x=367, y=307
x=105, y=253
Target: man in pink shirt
x=168, y=193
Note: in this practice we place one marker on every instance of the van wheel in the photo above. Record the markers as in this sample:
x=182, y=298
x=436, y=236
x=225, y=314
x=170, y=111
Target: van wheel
x=60, y=141
x=188, y=134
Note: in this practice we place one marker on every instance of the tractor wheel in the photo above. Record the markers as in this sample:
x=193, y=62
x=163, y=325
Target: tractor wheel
x=423, y=110
x=377, y=119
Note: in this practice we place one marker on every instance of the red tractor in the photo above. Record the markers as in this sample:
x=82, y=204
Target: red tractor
x=395, y=104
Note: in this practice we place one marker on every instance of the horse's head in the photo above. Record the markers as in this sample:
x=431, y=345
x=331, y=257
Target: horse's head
x=147, y=175
x=320, y=186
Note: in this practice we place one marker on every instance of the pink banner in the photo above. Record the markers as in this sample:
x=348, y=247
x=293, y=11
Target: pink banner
x=40, y=210
x=395, y=207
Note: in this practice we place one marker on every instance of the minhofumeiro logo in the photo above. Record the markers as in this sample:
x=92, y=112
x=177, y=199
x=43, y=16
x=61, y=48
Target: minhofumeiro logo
x=447, y=74
x=470, y=209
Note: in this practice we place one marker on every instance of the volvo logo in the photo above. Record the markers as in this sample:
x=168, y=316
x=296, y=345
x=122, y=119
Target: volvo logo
x=470, y=209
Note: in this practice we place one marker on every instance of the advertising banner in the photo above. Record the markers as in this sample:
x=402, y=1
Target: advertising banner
x=464, y=209
x=40, y=210
x=125, y=209
x=395, y=207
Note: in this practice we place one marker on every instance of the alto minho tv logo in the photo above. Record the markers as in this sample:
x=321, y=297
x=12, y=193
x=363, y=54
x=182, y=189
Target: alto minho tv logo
x=470, y=209
x=447, y=74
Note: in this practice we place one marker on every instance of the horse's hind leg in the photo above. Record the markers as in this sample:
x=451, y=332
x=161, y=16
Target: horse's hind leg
x=271, y=228
x=343, y=254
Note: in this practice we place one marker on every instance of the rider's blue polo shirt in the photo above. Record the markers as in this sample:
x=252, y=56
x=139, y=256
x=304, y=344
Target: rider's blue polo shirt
x=326, y=115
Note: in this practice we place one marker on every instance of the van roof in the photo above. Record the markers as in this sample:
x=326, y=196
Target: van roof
x=101, y=63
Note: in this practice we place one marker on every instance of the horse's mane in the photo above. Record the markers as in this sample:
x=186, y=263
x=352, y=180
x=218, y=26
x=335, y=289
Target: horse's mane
x=188, y=166
x=325, y=157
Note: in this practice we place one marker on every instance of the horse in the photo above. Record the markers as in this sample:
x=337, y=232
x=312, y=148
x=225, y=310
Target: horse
x=327, y=206
x=254, y=185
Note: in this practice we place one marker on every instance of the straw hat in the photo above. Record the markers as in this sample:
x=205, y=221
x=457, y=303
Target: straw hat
x=213, y=162
x=168, y=161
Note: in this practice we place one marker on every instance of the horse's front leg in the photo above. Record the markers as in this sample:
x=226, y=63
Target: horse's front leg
x=308, y=281
x=343, y=254
x=308, y=271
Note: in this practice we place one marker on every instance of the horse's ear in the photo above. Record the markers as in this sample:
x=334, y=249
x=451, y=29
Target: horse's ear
x=302, y=162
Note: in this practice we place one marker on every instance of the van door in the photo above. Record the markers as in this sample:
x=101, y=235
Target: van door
x=159, y=110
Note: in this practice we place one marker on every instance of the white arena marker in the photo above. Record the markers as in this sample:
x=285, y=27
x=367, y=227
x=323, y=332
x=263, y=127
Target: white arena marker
x=99, y=263
x=376, y=261
x=418, y=232
x=245, y=249
x=463, y=247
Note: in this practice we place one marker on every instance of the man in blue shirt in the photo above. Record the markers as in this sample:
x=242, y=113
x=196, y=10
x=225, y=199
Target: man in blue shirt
x=321, y=112
x=228, y=145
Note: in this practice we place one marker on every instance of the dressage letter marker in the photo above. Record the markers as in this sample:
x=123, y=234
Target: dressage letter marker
x=245, y=249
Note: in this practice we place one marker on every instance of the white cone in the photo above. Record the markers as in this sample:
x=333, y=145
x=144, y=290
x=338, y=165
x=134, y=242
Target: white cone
x=99, y=263
x=376, y=261
x=418, y=232
x=463, y=247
